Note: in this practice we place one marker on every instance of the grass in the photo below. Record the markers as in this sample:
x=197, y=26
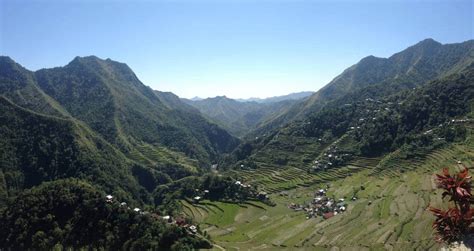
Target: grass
x=399, y=192
x=224, y=215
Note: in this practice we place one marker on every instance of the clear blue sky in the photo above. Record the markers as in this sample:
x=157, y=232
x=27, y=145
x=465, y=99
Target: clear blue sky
x=236, y=48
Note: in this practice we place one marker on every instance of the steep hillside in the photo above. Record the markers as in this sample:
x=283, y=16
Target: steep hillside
x=37, y=148
x=413, y=121
x=414, y=66
x=240, y=118
x=110, y=99
x=94, y=120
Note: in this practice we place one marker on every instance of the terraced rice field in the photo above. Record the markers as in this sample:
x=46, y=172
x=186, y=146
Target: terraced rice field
x=276, y=180
x=390, y=212
x=395, y=218
x=149, y=154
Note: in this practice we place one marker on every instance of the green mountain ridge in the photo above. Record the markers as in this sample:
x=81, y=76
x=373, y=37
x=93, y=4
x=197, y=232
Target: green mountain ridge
x=417, y=65
x=114, y=129
x=295, y=143
x=111, y=100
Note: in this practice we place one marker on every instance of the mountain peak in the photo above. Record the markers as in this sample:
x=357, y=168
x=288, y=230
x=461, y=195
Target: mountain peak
x=429, y=41
x=6, y=60
x=196, y=98
x=370, y=59
x=79, y=59
x=9, y=67
x=108, y=66
x=94, y=60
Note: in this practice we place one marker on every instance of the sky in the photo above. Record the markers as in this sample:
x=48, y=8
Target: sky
x=237, y=48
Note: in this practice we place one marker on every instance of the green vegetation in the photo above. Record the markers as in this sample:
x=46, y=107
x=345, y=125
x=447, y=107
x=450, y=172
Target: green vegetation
x=37, y=148
x=372, y=121
x=73, y=214
x=415, y=66
x=109, y=98
x=95, y=121
x=390, y=210
x=70, y=135
x=395, y=139
x=211, y=187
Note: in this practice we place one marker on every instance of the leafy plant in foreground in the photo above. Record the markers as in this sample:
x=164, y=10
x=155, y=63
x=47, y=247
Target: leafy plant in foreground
x=453, y=224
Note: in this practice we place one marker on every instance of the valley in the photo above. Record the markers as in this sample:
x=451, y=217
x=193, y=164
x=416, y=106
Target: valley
x=243, y=171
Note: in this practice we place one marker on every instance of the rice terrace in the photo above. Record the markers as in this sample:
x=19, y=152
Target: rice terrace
x=390, y=212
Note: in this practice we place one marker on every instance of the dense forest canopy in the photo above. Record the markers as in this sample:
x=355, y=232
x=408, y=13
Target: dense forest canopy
x=73, y=214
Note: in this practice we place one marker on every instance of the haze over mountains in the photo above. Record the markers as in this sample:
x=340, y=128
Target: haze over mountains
x=93, y=127
x=291, y=96
x=242, y=116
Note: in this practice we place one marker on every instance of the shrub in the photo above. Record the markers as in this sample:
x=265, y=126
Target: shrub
x=453, y=224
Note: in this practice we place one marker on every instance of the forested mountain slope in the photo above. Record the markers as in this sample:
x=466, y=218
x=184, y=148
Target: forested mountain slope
x=414, y=66
x=72, y=214
x=19, y=85
x=94, y=120
x=369, y=122
x=111, y=100
x=37, y=148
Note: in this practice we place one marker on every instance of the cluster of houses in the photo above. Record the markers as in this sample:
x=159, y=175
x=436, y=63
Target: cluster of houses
x=181, y=222
x=331, y=158
x=322, y=205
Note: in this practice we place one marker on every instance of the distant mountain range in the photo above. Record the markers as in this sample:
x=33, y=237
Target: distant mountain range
x=242, y=116
x=239, y=118
x=291, y=96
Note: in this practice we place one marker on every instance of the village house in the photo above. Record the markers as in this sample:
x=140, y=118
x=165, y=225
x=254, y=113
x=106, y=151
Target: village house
x=193, y=229
x=109, y=198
